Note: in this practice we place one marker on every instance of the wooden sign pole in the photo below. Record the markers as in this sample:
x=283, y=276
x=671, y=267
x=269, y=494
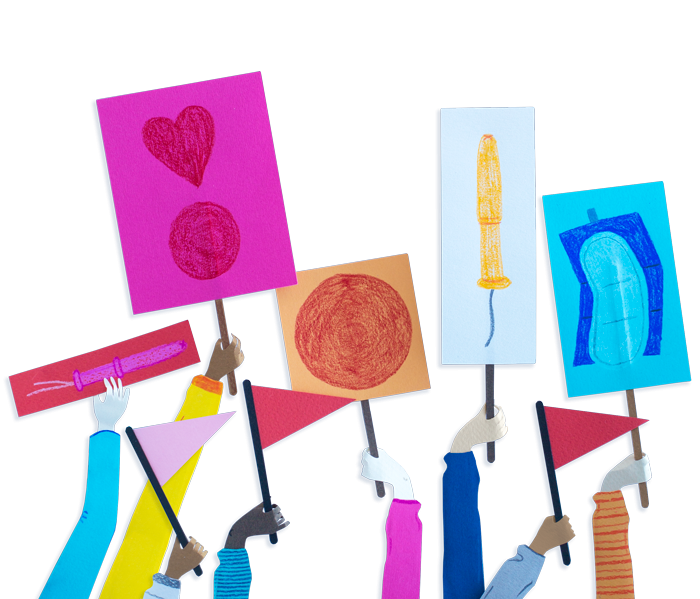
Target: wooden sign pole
x=372, y=440
x=637, y=445
x=167, y=508
x=225, y=341
x=491, y=445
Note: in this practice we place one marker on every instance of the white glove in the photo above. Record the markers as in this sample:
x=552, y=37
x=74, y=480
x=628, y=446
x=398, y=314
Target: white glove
x=628, y=472
x=388, y=470
x=110, y=406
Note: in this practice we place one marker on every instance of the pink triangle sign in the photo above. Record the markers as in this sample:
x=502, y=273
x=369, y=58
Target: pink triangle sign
x=573, y=433
x=281, y=412
x=168, y=446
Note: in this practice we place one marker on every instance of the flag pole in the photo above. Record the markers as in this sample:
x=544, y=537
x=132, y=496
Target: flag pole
x=181, y=536
x=257, y=447
x=552, y=476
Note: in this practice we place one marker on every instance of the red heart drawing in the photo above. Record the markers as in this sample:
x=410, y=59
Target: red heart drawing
x=183, y=146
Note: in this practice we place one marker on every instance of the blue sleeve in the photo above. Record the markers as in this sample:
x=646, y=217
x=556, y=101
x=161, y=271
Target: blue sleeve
x=77, y=568
x=517, y=576
x=463, y=566
x=233, y=577
x=163, y=587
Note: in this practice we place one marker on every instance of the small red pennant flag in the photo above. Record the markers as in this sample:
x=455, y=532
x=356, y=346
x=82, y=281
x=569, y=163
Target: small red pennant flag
x=573, y=433
x=281, y=412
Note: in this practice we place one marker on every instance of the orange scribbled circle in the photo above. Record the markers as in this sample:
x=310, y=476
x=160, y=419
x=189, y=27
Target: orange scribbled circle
x=353, y=331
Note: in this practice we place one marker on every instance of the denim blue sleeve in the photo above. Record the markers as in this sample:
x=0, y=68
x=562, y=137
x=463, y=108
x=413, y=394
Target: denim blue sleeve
x=463, y=567
x=77, y=568
x=163, y=587
x=517, y=576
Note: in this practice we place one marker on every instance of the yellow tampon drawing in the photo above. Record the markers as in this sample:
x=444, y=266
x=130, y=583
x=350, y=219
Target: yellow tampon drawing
x=489, y=211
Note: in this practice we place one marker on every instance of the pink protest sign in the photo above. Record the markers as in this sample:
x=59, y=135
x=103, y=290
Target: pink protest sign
x=197, y=193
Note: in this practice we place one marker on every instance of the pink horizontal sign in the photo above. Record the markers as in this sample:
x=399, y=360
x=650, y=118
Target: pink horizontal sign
x=196, y=192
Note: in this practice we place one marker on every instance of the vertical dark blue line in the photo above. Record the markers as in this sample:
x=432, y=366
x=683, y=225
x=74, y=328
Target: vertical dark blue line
x=6, y=132
x=690, y=355
x=6, y=431
x=238, y=417
x=493, y=322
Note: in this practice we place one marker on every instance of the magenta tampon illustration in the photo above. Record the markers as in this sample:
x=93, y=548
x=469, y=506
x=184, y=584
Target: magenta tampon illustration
x=120, y=366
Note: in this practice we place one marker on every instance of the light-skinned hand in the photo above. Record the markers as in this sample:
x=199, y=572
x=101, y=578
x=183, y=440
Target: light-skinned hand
x=480, y=430
x=110, y=406
x=628, y=472
x=388, y=470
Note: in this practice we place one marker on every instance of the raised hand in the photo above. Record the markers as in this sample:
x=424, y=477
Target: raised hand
x=110, y=406
x=184, y=559
x=388, y=470
x=255, y=522
x=223, y=361
x=628, y=472
x=552, y=534
x=480, y=430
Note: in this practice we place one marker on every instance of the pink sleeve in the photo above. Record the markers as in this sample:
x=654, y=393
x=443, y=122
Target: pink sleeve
x=404, y=532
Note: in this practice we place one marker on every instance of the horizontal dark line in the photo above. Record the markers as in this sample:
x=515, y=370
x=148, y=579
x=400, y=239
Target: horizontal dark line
x=620, y=320
x=618, y=282
x=179, y=70
x=653, y=265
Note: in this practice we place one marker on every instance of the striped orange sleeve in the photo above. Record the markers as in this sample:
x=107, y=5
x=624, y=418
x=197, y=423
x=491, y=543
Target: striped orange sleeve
x=613, y=562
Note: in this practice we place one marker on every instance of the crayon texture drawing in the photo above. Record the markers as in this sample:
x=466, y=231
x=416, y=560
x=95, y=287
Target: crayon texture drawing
x=196, y=192
x=624, y=325
x=184, y=146
x=621, y=300
x=204, y=237
x=489, y=210
x=488, y=171
x=353, y=330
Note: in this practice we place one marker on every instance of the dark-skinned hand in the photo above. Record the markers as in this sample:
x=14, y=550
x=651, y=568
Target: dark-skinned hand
x=255, y=522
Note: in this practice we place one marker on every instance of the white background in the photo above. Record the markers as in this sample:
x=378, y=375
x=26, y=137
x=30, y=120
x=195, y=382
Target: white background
x=354, y=93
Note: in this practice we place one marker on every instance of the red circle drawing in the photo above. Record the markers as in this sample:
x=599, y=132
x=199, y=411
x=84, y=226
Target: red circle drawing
x=204, y=240
x=353, y=331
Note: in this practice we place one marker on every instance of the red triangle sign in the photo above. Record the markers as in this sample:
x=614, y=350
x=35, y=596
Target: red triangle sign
x=573, y=433
x=281, y=412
